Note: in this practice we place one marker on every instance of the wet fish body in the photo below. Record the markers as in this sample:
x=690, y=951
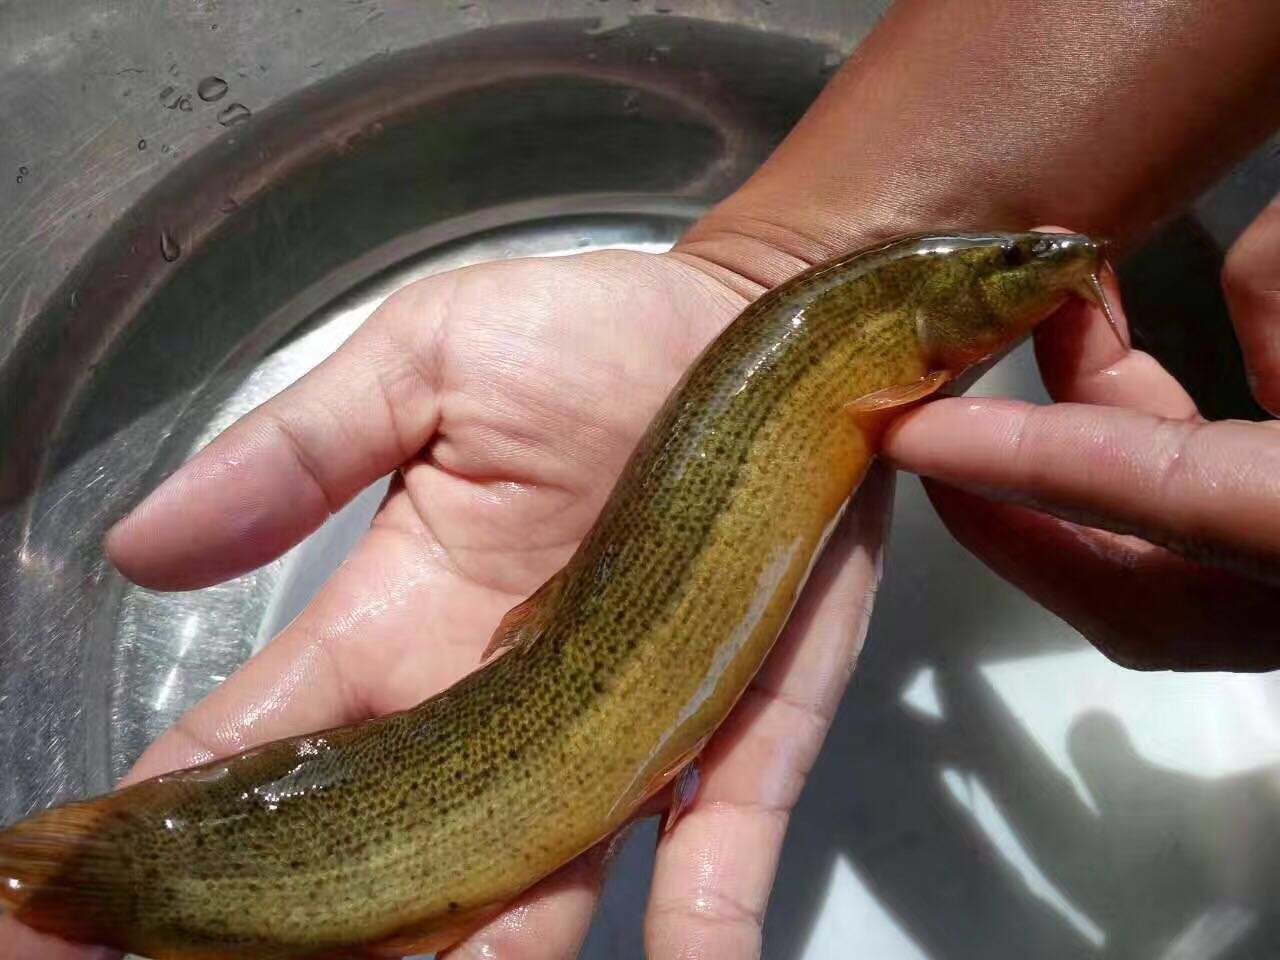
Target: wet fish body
x=404, y=832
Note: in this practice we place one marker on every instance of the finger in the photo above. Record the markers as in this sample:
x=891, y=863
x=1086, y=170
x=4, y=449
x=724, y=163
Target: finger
x=1142, y=605
x=548, y=922
x=277, y=474
x=715, y=867
x=1251, y=281
x=1082, y=361
x=1208, y=490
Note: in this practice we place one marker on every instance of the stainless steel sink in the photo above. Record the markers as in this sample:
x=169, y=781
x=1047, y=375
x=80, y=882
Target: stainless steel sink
x=175, y=252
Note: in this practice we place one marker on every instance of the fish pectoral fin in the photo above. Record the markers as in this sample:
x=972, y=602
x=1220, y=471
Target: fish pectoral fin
x=643, y=790
x=682, y=794
x=524, y=622
x=900, y=394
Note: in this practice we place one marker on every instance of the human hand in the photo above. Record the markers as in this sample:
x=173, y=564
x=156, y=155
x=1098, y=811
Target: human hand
x=1118, y=507
x=507, y=397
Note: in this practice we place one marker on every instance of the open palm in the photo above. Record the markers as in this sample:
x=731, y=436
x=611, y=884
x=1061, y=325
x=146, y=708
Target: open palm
x=507, y=397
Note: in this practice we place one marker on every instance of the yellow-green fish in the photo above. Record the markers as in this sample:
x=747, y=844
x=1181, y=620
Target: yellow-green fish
x=406, y=832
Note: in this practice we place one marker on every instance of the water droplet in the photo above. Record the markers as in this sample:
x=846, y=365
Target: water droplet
x=142, y=144
x=234, y=113
x=19, y=178
x=75, y=297
x=166, y=93
x=165, y=148
x=23, y=170
x=169, y=248
x=184, y=103
x=229, y=205
x=211, y=88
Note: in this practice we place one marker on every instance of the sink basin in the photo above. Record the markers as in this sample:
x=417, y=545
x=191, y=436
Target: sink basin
x=992, y=787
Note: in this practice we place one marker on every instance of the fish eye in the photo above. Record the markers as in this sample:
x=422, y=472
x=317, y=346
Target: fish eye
x=1043, y=247
x=1013, y=255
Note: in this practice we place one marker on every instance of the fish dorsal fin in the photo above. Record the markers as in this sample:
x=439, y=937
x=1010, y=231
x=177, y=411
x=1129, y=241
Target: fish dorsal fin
x=524, y=622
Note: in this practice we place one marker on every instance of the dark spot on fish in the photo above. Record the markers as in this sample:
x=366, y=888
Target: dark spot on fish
x=453, y=905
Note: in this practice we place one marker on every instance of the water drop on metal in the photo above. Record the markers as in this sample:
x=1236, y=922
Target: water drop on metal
x=211, y=88
x=166, y=93
x=142, y=144
x=184, y=104
x=169, y=248
x=233, y=113
x=23, y=170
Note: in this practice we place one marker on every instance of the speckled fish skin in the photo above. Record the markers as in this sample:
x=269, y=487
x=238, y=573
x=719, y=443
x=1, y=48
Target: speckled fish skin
x=408, y=830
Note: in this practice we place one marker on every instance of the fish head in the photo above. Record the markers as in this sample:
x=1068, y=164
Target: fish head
x=995, y=288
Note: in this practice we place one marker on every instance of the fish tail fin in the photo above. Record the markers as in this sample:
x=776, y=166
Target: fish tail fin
x=60, y=874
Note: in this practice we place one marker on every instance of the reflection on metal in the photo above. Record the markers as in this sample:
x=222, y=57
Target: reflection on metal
x=1212, y=934
x=921, y=694
x=969, y=793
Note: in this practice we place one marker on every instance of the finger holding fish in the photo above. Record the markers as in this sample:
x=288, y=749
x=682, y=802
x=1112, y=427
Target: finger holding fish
x=1146, y=606
x=1124, y=449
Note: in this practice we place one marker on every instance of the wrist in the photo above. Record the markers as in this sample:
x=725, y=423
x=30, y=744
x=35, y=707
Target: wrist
x=754, y=240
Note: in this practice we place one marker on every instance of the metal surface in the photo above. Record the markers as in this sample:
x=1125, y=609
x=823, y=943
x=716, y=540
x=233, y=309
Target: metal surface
x=1006, y=794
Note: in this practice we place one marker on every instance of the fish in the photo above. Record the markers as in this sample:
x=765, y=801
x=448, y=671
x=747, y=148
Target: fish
x=404, y=833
